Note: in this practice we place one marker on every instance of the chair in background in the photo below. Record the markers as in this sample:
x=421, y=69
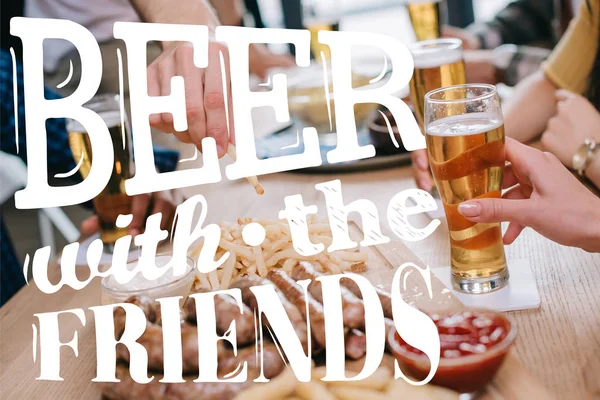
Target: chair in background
x=13, y=176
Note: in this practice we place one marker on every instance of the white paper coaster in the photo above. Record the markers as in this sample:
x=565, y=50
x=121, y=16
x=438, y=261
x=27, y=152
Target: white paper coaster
x=520, y=294
x=105, y=259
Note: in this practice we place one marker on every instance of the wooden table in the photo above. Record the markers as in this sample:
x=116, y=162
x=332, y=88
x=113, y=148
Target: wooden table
x=559, y=343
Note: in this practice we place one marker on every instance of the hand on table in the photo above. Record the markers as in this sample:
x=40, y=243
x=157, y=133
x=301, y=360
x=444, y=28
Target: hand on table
x=470, y=41
x=204, y=97
x=544, y=196
x=142, y=206
x=576, y=120
x=421, y=171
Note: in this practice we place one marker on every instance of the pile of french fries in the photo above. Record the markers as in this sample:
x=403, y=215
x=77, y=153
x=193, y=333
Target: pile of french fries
x=379, y=386
x=276, y=251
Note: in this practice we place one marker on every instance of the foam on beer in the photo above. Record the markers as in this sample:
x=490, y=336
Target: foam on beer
x=436, y=55
x=464, y=125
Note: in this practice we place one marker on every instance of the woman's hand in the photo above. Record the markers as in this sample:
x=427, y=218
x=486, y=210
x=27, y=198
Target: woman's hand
x=544, y=196
x=576, y=120
x=421, y=171
x=143, y=206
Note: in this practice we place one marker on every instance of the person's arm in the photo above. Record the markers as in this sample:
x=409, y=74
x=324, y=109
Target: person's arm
x=530, y=108
x=521, y=22
x=230, y=12
x=576, y=121
x=568, y=67
x=194, y=12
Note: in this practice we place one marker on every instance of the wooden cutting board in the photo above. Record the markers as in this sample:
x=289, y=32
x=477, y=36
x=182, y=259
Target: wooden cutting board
x=513, y=381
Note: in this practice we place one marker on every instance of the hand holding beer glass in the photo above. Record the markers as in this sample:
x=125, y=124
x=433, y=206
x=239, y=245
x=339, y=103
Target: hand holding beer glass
x=465, y=141
x=113, y=200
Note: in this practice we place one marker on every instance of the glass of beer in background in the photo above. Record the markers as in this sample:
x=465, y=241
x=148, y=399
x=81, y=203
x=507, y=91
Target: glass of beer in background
x=438, y=63
x=113, y=200
x=321, y=15
x=426, y=17
x=465, y=140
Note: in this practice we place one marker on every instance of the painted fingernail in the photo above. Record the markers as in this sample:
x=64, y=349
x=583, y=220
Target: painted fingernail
x=424, y=184
x=422, y=162
x=469, y=209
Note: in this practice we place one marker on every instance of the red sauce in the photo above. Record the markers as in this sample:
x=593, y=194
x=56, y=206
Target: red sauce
x=465, y=333
x=469, y=358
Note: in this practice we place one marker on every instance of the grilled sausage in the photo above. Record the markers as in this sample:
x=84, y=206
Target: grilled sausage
x=356, y=344
x=384, y=296
x=152, y=338
x=295, y=294
x=352, y=307
x=226, y=311
x=127, y=388
x=295, y=316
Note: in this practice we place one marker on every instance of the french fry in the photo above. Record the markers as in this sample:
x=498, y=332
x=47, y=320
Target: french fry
x=275, y=252
x=252, y=179
x=398, y=389
x=289, y=264
x=214, y=280
x=204, y=283
x=260, y=261
x=278, y=388
x=314, y=390
x=377, y=381
x=228, y=269
x=357, y=393
x=318, y=373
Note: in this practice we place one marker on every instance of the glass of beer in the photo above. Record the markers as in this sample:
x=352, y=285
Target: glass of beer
x=320, y=15
x=438, y=63
x=465, y=141
x=113, y=200
x=426, y=17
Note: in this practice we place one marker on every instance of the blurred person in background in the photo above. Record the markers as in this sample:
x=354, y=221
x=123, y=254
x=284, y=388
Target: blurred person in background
x=559, y=103
x=100, y=16
x=514, y=43
x=167, y=58
x=60, y=160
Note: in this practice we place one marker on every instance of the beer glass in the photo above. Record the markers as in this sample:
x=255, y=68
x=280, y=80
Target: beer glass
x=438, y=63
x=426, y=17
x=464, y=131
x=321, y=15
x=113, y=200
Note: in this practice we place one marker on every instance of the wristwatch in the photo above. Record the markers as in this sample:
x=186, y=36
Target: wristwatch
x=584, y=155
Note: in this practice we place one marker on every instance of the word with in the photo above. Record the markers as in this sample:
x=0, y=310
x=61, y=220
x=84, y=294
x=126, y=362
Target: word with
x=184, y=235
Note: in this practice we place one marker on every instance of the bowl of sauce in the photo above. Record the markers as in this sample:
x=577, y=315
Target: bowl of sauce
x=473, y=346
x=168, y=285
